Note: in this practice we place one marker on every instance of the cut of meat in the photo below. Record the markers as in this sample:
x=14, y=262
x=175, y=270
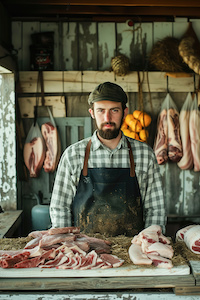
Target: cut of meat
x=112, y=259
x=161, y=249
x=181, y=232
x=186, y=161
x=63, y=230
x=34, y=154
x=160, y=145
x=56, y=238
x=194, y=126
x=160, y=261
x=175, y=151
x=137, y=256
x=192, y=239
x=37, y=233
x=53, y=145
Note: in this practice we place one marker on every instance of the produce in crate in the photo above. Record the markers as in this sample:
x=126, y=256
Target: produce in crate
x=134, y=125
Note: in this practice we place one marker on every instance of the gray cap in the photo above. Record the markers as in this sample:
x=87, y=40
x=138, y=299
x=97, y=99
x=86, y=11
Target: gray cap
x=108, y=91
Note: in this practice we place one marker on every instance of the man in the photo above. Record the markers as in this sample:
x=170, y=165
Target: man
x=108, y=183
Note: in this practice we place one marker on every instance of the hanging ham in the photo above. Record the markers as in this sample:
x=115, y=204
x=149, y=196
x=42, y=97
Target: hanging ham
x=194, y=126
x=175, y=151
x=160, y=145
x=186, y=162
x=34, y=151
x=53, y=145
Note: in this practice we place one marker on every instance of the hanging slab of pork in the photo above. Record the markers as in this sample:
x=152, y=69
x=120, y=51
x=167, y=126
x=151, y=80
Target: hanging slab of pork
x=34, y=154
x=53, y=145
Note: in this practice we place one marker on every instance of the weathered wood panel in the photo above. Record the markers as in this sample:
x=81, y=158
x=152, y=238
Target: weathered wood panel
x=8, y=191
x=86, y=81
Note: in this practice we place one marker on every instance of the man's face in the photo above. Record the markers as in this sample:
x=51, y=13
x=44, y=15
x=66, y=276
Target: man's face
x=109, y=117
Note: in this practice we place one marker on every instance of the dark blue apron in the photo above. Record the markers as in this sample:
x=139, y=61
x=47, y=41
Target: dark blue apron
x=108, y=200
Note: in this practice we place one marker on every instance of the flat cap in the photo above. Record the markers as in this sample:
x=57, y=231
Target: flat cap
x=108, y=91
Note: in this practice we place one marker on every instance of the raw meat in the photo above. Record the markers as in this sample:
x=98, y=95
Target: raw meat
x=160, y=262
x=160, y=145
x=64, y=230
x=161, y=249
x=181, y=232
x=48, y=240
x=175, y=151
x=192, y=239
x=34, y=154
x=112, y=259
x=186, y=162
x=148, y=244
x=194, y=126
x=137, y=256
x=61, y=251
x=53, y=146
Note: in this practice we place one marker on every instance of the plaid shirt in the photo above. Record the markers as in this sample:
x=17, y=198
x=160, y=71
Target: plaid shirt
x=71, y=164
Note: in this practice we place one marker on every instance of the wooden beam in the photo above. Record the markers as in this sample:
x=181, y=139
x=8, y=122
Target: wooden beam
x=166, y=3
x=56, y=82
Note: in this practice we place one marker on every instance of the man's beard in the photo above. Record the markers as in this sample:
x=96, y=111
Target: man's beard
x=109, y=134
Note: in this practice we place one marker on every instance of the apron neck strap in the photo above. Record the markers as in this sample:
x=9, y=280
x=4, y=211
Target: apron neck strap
x=87, y=153
x=132, y=165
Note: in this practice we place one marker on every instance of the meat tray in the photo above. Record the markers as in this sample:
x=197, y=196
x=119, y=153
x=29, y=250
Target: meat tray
x=126, y=271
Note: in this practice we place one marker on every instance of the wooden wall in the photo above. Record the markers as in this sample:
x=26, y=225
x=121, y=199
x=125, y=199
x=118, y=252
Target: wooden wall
x=82, y=55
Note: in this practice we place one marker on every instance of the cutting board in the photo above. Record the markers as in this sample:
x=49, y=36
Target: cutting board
x=127, y=271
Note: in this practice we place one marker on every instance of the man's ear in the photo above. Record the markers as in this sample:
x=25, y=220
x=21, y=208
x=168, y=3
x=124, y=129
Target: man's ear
x=91, y=112
x=125, y=112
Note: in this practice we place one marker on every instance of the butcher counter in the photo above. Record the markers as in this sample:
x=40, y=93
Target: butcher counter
x=129, y=282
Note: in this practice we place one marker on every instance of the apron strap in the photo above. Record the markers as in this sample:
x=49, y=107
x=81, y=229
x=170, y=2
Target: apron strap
x=87, y=153
x=132, y=168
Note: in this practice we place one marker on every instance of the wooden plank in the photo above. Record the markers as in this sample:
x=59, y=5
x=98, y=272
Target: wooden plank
x=87, y=46
x=76, y=81
x=9, y=222
x=70, y=46
x=106, y=45
x=123, y=271
x=97, y=283
x=162, y=30
x=195, y=290
x=27, y=104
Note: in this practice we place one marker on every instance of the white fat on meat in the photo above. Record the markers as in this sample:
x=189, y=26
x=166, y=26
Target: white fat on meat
x=53, y=146
x=181, y=233
x=194, y=126
x=150, y=234
x=192, y=239
x=160, y=262
x=34, y=155
x=160, y=145
x=137, y=256
x=186, y=162
x=161, y=249
x=175, y=150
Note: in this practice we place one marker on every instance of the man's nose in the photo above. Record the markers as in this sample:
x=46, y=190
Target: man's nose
x=107, y=116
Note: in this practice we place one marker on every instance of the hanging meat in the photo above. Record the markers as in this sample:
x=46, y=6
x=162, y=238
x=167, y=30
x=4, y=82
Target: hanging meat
x=175, y=151
x=34, y=151
x=160, y=145
x=186, y=162
x=194, y=125
x=53, y=145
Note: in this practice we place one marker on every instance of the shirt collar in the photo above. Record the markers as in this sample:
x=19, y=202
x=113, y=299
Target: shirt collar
x=96, y=144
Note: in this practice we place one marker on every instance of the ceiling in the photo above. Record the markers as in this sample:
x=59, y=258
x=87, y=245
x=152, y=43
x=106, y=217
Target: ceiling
x=105, y=10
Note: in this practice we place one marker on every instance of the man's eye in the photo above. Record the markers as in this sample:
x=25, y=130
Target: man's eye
x=115, y=110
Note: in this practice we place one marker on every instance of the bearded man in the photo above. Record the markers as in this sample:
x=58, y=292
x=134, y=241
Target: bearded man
x=108, y=183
